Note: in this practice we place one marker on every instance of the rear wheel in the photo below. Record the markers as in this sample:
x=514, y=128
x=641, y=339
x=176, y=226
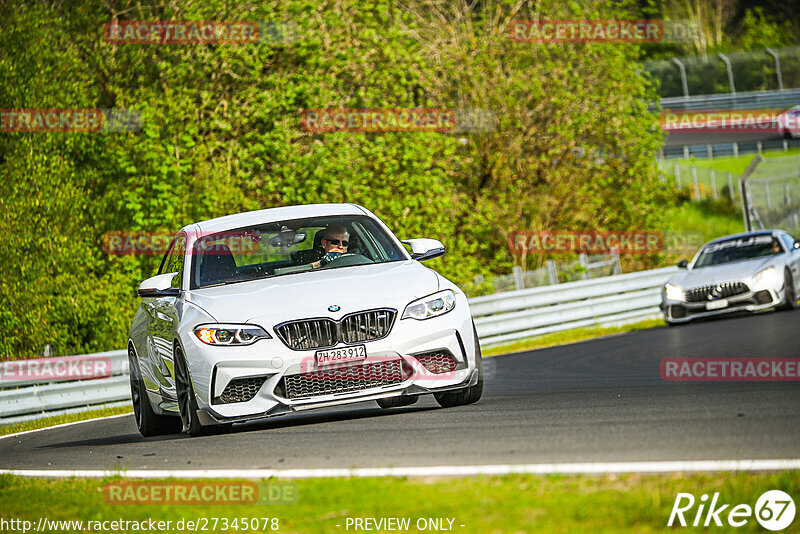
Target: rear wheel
x=789, y=294
x=469, y=394
x=148, y=421
x=187, y=402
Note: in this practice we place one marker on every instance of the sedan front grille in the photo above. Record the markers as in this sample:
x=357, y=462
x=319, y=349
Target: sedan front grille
x=309, y=334
x=324, y=333
x=716, y=291
x=367, y=326
x=344, y=379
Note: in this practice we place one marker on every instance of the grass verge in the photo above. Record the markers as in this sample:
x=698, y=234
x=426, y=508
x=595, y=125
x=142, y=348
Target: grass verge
x=566, y=337
x=511, y=503
x=61, y=419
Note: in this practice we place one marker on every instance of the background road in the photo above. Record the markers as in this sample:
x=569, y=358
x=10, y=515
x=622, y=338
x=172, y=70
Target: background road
x=714, y=137
x=601, y=400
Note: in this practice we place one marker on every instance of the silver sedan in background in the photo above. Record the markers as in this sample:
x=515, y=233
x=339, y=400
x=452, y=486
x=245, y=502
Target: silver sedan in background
x=751, y=272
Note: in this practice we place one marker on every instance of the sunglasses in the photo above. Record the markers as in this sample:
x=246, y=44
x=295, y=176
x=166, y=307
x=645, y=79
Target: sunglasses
x=344, y=243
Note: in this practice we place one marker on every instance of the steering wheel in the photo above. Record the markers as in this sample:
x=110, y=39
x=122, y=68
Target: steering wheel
x=349, y=259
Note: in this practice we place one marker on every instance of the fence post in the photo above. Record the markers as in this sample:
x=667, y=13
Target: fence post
x=730, y=186
x=766, y=193
x=519, y=283
x=709, y=151
x=584, y=261
x=677, y=176
x=694, y=182
x=685, y=151
x=552, y=273
x=777, y=68
x=735, y=149
x=758, y=146
x=713, y=183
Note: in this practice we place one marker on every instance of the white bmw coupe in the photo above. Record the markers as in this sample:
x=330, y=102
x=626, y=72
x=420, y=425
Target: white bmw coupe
x=269, y=312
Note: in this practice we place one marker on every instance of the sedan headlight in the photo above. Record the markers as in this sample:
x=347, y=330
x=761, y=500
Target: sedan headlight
x=431, y=306
x=230, y=334
x=674, y=292
x=768, y=278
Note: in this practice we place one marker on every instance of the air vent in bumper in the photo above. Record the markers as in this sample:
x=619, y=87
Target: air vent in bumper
x=344, y=379
x=240, y=390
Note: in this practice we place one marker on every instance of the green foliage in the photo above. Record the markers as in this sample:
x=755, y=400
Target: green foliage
x=573, y=144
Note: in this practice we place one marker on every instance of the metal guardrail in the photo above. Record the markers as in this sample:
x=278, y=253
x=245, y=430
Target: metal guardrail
x=606, y=301
x=733, y=101
x=499, y=318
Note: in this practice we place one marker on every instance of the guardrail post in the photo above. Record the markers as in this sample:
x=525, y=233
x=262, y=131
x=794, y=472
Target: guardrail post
x=730, y=71
x=777, y=68
x=584, y=261
x=519, y=283
x=709, y=151
x=685, y=151
x=758, y=147
x=677, y=176
x=683, y=76
x=552, y=273
x=735, y=149
x=694, y=182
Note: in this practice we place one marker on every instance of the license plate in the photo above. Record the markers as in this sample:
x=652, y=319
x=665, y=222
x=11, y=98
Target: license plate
x=717, y=304
x=343, y=354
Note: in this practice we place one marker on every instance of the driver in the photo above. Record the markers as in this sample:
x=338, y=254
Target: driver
x=334, y=243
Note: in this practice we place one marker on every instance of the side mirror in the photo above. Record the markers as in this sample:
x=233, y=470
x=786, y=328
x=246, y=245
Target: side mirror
x=159, y=286
x=425, y=249
x=683, y=264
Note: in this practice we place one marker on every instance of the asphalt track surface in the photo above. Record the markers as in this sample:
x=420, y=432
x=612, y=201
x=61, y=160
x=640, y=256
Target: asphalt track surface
x=596, y=401
x=712, y=136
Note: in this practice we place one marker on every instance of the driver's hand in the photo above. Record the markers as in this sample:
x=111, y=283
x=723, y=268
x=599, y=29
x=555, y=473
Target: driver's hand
x=329, y=257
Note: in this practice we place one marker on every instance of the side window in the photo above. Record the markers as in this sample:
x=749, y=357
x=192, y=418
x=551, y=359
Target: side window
x=176, y=259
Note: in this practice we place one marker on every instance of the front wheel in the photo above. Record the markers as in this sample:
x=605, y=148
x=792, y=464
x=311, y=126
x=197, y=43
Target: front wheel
x=469, y=394
x=789, y=294
x=148, y=421
x=187, y=402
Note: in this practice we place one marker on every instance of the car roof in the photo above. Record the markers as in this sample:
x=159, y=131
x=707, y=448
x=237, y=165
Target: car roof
x=250, y=218
x=745, y=234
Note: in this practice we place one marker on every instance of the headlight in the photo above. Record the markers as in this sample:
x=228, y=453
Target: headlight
x=674, y=292
x=230, y=334
x=431, y=306
x=769, y=277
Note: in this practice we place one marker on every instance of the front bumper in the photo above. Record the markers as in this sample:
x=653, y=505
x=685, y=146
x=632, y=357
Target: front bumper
x=677, y=311
x=214, y=368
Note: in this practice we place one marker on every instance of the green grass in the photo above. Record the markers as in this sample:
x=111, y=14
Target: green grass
x=511, y=503
x=721, y=166
x=61, y=419
x=566, y=337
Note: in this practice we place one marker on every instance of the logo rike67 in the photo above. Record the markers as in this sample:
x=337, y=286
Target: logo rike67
x=774, y=510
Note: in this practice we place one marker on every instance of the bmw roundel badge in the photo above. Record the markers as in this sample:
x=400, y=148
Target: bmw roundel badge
x=334, y=308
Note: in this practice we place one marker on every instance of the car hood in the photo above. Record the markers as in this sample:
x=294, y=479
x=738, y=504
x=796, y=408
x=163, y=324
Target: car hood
x=309, y=294
x=726, y=272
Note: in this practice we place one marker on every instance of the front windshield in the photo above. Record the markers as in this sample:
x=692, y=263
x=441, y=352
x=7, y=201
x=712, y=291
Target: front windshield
x=743, y=248
x=289, y=247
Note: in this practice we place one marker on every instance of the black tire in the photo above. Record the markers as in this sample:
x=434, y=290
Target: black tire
x=789, y=295
x=148, y=421
x=469, y=394
x=187, y=402
x=397, y=402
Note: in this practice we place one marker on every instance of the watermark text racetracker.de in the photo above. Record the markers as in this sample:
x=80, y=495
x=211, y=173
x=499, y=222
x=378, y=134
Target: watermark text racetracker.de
x=731, y=369
x=55, y=369
x=73, y=120
x=388, y=120
x=236, y=32
x=201, y=524
x=601, y=31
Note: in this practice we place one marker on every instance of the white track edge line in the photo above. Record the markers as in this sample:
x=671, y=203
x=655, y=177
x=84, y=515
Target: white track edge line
x=62, y=425
x=589, y=468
